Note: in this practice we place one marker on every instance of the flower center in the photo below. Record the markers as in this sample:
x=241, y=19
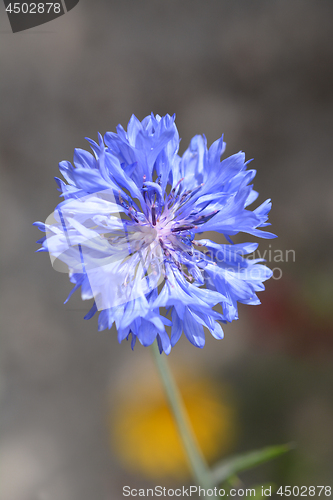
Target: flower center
x=165, y=227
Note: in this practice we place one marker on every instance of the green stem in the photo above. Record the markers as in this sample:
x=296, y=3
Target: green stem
x=198, y=465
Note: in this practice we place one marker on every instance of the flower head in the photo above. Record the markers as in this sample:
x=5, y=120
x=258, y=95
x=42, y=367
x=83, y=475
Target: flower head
x=128, y=225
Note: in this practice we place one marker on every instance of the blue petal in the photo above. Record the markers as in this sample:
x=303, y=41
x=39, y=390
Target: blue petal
x=193, y=330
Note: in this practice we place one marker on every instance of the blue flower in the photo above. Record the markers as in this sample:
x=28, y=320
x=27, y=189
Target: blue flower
x=128, y=231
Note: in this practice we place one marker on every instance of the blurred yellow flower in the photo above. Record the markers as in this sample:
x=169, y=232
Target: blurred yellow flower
x=144, y=435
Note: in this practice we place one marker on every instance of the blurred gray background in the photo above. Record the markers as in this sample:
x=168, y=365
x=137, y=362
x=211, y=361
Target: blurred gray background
x=261, y=72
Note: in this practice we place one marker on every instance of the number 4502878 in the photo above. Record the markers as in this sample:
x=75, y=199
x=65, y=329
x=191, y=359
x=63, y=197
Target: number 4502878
x=304, y=491
x=33, y=8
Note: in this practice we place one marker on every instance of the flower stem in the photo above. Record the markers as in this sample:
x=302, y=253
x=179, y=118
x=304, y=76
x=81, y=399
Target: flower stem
x=198, y=465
